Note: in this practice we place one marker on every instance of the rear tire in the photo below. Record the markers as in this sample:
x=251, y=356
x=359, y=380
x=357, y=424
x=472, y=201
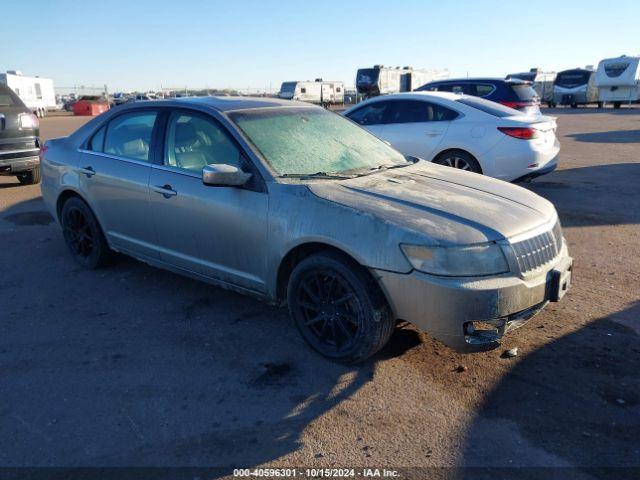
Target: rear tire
x=460, y=160
x=83, y=234
x=616, y=105
x=338, y=308
x=30, y=177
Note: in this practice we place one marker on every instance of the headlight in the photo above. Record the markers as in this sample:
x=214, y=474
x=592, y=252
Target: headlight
x=466, y=261
x=28, y=121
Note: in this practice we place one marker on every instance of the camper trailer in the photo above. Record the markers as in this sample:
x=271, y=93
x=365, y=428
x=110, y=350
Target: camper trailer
x=319, y=92
x=542, y=83
x=381, y=80
x=575, y=87
x=618, y=80
x=36, y=93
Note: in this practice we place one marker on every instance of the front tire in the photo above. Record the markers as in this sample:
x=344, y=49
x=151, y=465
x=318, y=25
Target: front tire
x=83, y=234
x=338, y=308
x=30, y=177
x=460, y=160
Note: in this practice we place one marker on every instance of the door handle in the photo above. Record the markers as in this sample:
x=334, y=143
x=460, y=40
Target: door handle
x=432, y=134
x=88, y=171
x=165, y=190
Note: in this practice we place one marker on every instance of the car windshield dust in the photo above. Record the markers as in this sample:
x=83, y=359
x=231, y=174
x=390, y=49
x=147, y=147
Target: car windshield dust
x=299, y=141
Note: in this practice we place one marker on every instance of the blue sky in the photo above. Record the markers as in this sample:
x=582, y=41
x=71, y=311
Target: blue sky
x=142, y=44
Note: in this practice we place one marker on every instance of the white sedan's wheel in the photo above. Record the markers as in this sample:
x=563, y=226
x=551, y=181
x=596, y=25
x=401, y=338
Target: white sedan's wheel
x=459, y=160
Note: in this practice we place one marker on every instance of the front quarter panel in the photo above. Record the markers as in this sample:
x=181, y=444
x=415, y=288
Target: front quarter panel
x=297, y=216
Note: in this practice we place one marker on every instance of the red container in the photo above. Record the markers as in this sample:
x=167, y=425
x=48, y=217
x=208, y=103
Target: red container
x=90, y=106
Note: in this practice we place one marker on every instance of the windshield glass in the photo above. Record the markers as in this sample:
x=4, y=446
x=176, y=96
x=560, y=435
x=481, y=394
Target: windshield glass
x=288, y=87
x=615, y=69
x=8, y=98
x=573, y=78
x=524, y=92
x=304, y=141
x=492, y=108
x=367, y=76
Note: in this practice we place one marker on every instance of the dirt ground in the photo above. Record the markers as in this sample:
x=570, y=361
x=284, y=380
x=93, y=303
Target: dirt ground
x=134, y=366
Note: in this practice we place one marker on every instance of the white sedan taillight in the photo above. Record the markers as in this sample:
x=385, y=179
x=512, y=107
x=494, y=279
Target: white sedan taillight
x=523, y=133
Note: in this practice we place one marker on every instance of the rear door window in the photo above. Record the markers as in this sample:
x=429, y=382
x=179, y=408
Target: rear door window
x=129, y=135
x=372, y=114
x=416, y=111
x=484, y=89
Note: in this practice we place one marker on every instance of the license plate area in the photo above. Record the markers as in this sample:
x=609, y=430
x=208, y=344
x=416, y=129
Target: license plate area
x=560, y=281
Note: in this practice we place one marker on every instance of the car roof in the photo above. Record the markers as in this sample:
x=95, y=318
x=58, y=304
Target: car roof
x=478, y=79
x=420, y=96
x=222, y=104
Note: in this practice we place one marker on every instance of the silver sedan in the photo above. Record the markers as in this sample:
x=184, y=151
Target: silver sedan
x=297, y=205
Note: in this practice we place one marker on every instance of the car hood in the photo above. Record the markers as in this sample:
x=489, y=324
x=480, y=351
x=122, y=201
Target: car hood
x=449, y=206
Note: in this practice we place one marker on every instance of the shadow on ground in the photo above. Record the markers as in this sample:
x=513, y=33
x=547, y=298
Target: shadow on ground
x=617, y=136
x=575, y=401
x=135, y=366
x=597, y=195
x=626, y=110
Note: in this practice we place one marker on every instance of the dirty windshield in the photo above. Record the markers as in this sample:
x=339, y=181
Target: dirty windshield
x=312, y=141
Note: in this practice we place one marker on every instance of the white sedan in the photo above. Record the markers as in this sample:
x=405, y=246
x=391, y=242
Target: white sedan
x=464, y=132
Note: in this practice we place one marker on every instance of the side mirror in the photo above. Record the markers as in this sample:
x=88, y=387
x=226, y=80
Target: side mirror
x=224, y=175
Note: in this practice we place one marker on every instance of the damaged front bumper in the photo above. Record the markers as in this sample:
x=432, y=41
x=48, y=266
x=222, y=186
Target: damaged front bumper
x=473, y=314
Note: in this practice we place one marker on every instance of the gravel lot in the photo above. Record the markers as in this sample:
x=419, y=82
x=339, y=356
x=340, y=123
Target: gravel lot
x=136, y=366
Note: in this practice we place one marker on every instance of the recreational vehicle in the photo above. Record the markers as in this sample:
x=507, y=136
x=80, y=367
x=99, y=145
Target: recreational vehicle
x=542, y=83
x=36, y=93
x=381, y=80
x=575, y=87
x=618, y=80
x=318, y=92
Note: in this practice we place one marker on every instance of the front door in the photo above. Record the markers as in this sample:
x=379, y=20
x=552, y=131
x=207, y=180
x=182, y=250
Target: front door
x=416, y=127
x=371, y=116
x=216, y=231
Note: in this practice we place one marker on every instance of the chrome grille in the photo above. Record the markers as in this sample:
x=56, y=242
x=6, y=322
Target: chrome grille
x=534, y=252
x=21, y=145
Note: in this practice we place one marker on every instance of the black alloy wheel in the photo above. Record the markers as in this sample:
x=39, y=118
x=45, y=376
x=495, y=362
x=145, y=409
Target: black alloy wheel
x=338, y=309
x=83, y=235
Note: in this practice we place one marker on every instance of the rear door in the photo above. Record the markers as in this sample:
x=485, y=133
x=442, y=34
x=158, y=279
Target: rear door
x=417, y=127
x=114, y=178
x=216, y=231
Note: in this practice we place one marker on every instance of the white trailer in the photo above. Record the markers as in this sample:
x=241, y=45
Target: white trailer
x=37, y=93
x=618, y=80
x=542, y=82
x=319, y=92
x=381, y=80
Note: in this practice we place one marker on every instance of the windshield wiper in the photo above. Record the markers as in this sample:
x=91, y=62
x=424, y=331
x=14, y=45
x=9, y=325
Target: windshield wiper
x=332, y=175
x=386, y=166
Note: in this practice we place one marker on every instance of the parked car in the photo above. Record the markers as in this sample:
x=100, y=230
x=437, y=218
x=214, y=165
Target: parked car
x=294, y=204
x=463, y=132
x=513, y=93
x=19, y=138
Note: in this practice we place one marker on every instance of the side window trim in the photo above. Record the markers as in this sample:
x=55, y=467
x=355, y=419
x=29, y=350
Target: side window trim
x=84, y=147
